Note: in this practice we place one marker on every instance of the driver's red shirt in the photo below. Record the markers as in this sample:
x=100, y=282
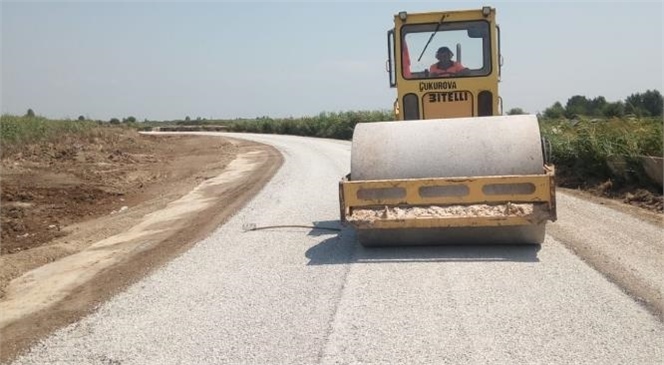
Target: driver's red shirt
x=456, y=67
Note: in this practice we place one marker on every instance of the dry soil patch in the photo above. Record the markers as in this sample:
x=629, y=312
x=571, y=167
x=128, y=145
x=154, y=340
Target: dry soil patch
x=81, y=220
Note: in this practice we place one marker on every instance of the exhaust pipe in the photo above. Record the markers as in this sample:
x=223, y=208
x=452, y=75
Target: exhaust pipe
x=458, y=52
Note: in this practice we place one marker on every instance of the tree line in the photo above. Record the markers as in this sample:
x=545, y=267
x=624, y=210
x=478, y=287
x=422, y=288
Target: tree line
x=645, y=104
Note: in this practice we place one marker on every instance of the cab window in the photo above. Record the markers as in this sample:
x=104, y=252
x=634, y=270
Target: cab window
x=455, y=49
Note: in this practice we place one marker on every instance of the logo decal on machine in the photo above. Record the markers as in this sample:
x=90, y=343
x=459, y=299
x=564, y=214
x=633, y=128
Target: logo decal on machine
x=437, y=85
x=448, y=104
x=452, y=96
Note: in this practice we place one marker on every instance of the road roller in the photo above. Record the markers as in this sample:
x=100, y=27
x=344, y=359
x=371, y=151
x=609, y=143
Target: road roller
x=450, y=168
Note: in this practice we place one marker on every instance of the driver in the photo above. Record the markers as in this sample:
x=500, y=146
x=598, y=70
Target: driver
x=445, y=66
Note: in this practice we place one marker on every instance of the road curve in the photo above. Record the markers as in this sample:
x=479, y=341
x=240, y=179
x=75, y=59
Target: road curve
x=314, y=296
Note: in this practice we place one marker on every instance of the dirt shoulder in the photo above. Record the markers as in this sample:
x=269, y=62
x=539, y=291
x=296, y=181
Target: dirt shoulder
x=625, y=248
x=647, y=212
x=82, y=220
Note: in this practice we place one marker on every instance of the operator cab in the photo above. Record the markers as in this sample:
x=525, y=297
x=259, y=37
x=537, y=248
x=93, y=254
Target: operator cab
x=445, y=65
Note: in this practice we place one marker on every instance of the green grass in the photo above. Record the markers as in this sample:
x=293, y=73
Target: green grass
x=587, y=141
x=19, y=132
x=15, y=130
x=585, y=149
x=581, y=149
x=600, y=139
x=325, y=125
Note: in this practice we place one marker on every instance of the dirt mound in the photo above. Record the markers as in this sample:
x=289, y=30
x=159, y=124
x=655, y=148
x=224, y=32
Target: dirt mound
x=30, y=219
x=48, y=186
x=645, y=199
x=637, y=193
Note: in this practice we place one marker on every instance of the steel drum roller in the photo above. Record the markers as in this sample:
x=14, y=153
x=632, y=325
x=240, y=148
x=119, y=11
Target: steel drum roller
x=460, y=147
x=486, y=146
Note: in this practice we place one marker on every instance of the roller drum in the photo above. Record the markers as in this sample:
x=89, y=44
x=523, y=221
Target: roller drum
x=448, y=148
x=459, y=147
x=495, y=235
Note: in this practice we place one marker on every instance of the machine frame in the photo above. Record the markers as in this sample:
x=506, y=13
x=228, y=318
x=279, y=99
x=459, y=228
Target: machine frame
x=363, y=194
x=483, y=89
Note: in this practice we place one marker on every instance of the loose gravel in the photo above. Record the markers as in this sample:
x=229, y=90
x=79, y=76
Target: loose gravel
x=433, y=211
x=312, y=296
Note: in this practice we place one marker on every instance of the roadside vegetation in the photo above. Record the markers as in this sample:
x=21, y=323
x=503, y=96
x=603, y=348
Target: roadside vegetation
x=603, y=146
x=587, y=152
x=591, y=140
x=595, y=144
x=324, y=125
x=18, y=132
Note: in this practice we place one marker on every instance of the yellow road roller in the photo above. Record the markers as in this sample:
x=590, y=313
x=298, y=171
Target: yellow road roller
x=451, y=168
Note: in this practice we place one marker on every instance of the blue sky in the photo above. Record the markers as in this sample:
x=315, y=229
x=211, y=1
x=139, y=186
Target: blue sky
x=168, y=60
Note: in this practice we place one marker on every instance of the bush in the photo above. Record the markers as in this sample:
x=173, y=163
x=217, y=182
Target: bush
x=16, y=131
x=587, y=148
x=324, y=125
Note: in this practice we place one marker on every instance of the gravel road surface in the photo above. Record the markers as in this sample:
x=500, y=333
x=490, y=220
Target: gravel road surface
x=314, y=296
